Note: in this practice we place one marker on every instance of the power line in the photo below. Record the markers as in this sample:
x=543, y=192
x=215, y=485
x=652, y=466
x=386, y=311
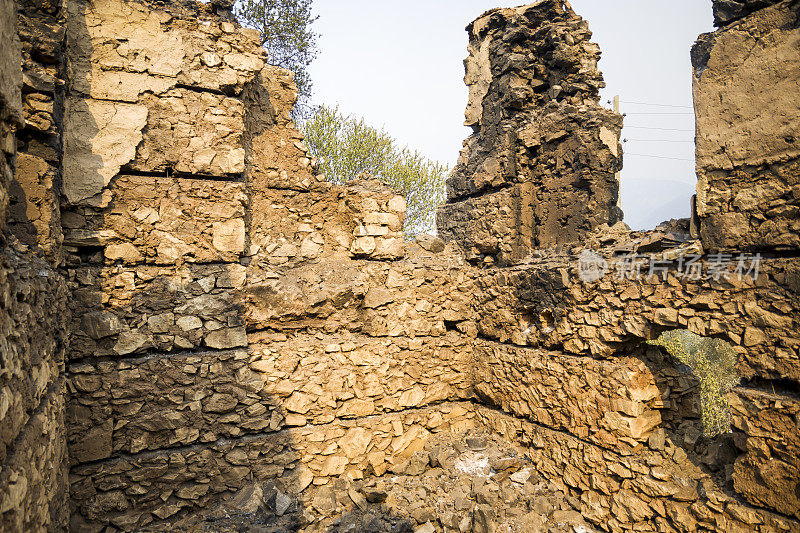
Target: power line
x=661, y=105
x=659, y=113
x=660, y=157
x=659, y=129
x=660, y=140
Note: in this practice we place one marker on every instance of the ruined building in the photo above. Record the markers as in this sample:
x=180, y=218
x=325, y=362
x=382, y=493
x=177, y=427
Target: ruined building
x=192, y=319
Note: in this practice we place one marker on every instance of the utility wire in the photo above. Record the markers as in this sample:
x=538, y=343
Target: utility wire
x=659, y=129
x=660, y=157
x=659, y=105
x=658, y=140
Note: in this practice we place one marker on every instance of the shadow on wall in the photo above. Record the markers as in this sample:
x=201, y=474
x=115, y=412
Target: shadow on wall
x=33, y=214
x=180, y=432
x=692, y=377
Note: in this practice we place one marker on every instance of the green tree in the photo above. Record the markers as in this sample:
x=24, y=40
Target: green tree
x=346, y=147
x=285, y=27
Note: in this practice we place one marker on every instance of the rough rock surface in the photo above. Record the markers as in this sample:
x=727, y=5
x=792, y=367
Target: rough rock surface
x=162, y=487
x=770, y=466
x=34, y=215
x=540, y=168
x=748, y=193
x=656, y=489
x=33, y=455
x=458, y=482
x=10, y=101
x=552, y=308
x=729, y=11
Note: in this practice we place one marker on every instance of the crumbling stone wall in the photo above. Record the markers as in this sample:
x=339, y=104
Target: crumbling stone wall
x=747, y=199
x=559, y=345
x=33, y=477
x=34, y=210
x=10, y=102
x=748, y=194
x=539, y=170
x=729, y=11
x=234, y=320
x=561, y=364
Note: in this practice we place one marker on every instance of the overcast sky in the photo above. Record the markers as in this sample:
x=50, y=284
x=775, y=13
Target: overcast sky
x=399, y=65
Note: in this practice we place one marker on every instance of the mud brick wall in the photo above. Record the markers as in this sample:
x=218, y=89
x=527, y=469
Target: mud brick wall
x=539, y=169
x=748, y=193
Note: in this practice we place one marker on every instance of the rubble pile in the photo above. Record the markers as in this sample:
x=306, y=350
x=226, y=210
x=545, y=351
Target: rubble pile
x=471, y=482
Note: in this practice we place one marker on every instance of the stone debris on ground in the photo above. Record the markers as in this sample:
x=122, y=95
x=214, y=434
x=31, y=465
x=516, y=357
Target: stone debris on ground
x=473, y=482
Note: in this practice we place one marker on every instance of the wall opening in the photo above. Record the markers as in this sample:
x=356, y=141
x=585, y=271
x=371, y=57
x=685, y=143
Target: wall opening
x=713, y=362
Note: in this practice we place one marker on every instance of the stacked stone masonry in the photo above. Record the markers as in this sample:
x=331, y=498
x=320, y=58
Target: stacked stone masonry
x=540, y=168
x=188, y=310
x=156, y=489
x=230, y=307
x=33, y=477
x=748, y=193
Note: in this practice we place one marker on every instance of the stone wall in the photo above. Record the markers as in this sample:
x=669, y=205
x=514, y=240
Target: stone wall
x=157, y=489
x=189, y=310
x=33, y=476
x=34, y=210
x=729, y=11
x=230, y=307
x=547, y=305
x=566, y=356
x=748, y=194
x=562, y=358
x=539, y=169
x=10, y=102
x=656, y=489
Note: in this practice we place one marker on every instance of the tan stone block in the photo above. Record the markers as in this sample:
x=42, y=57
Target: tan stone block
x=355, y=442
x=124, y=252
x=226, y=338
x=229, y=236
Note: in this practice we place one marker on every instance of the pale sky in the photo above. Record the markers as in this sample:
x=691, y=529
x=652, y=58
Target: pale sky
x=399, y=65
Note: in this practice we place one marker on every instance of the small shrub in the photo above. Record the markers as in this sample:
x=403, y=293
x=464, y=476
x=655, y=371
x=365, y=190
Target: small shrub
x=713, y=361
